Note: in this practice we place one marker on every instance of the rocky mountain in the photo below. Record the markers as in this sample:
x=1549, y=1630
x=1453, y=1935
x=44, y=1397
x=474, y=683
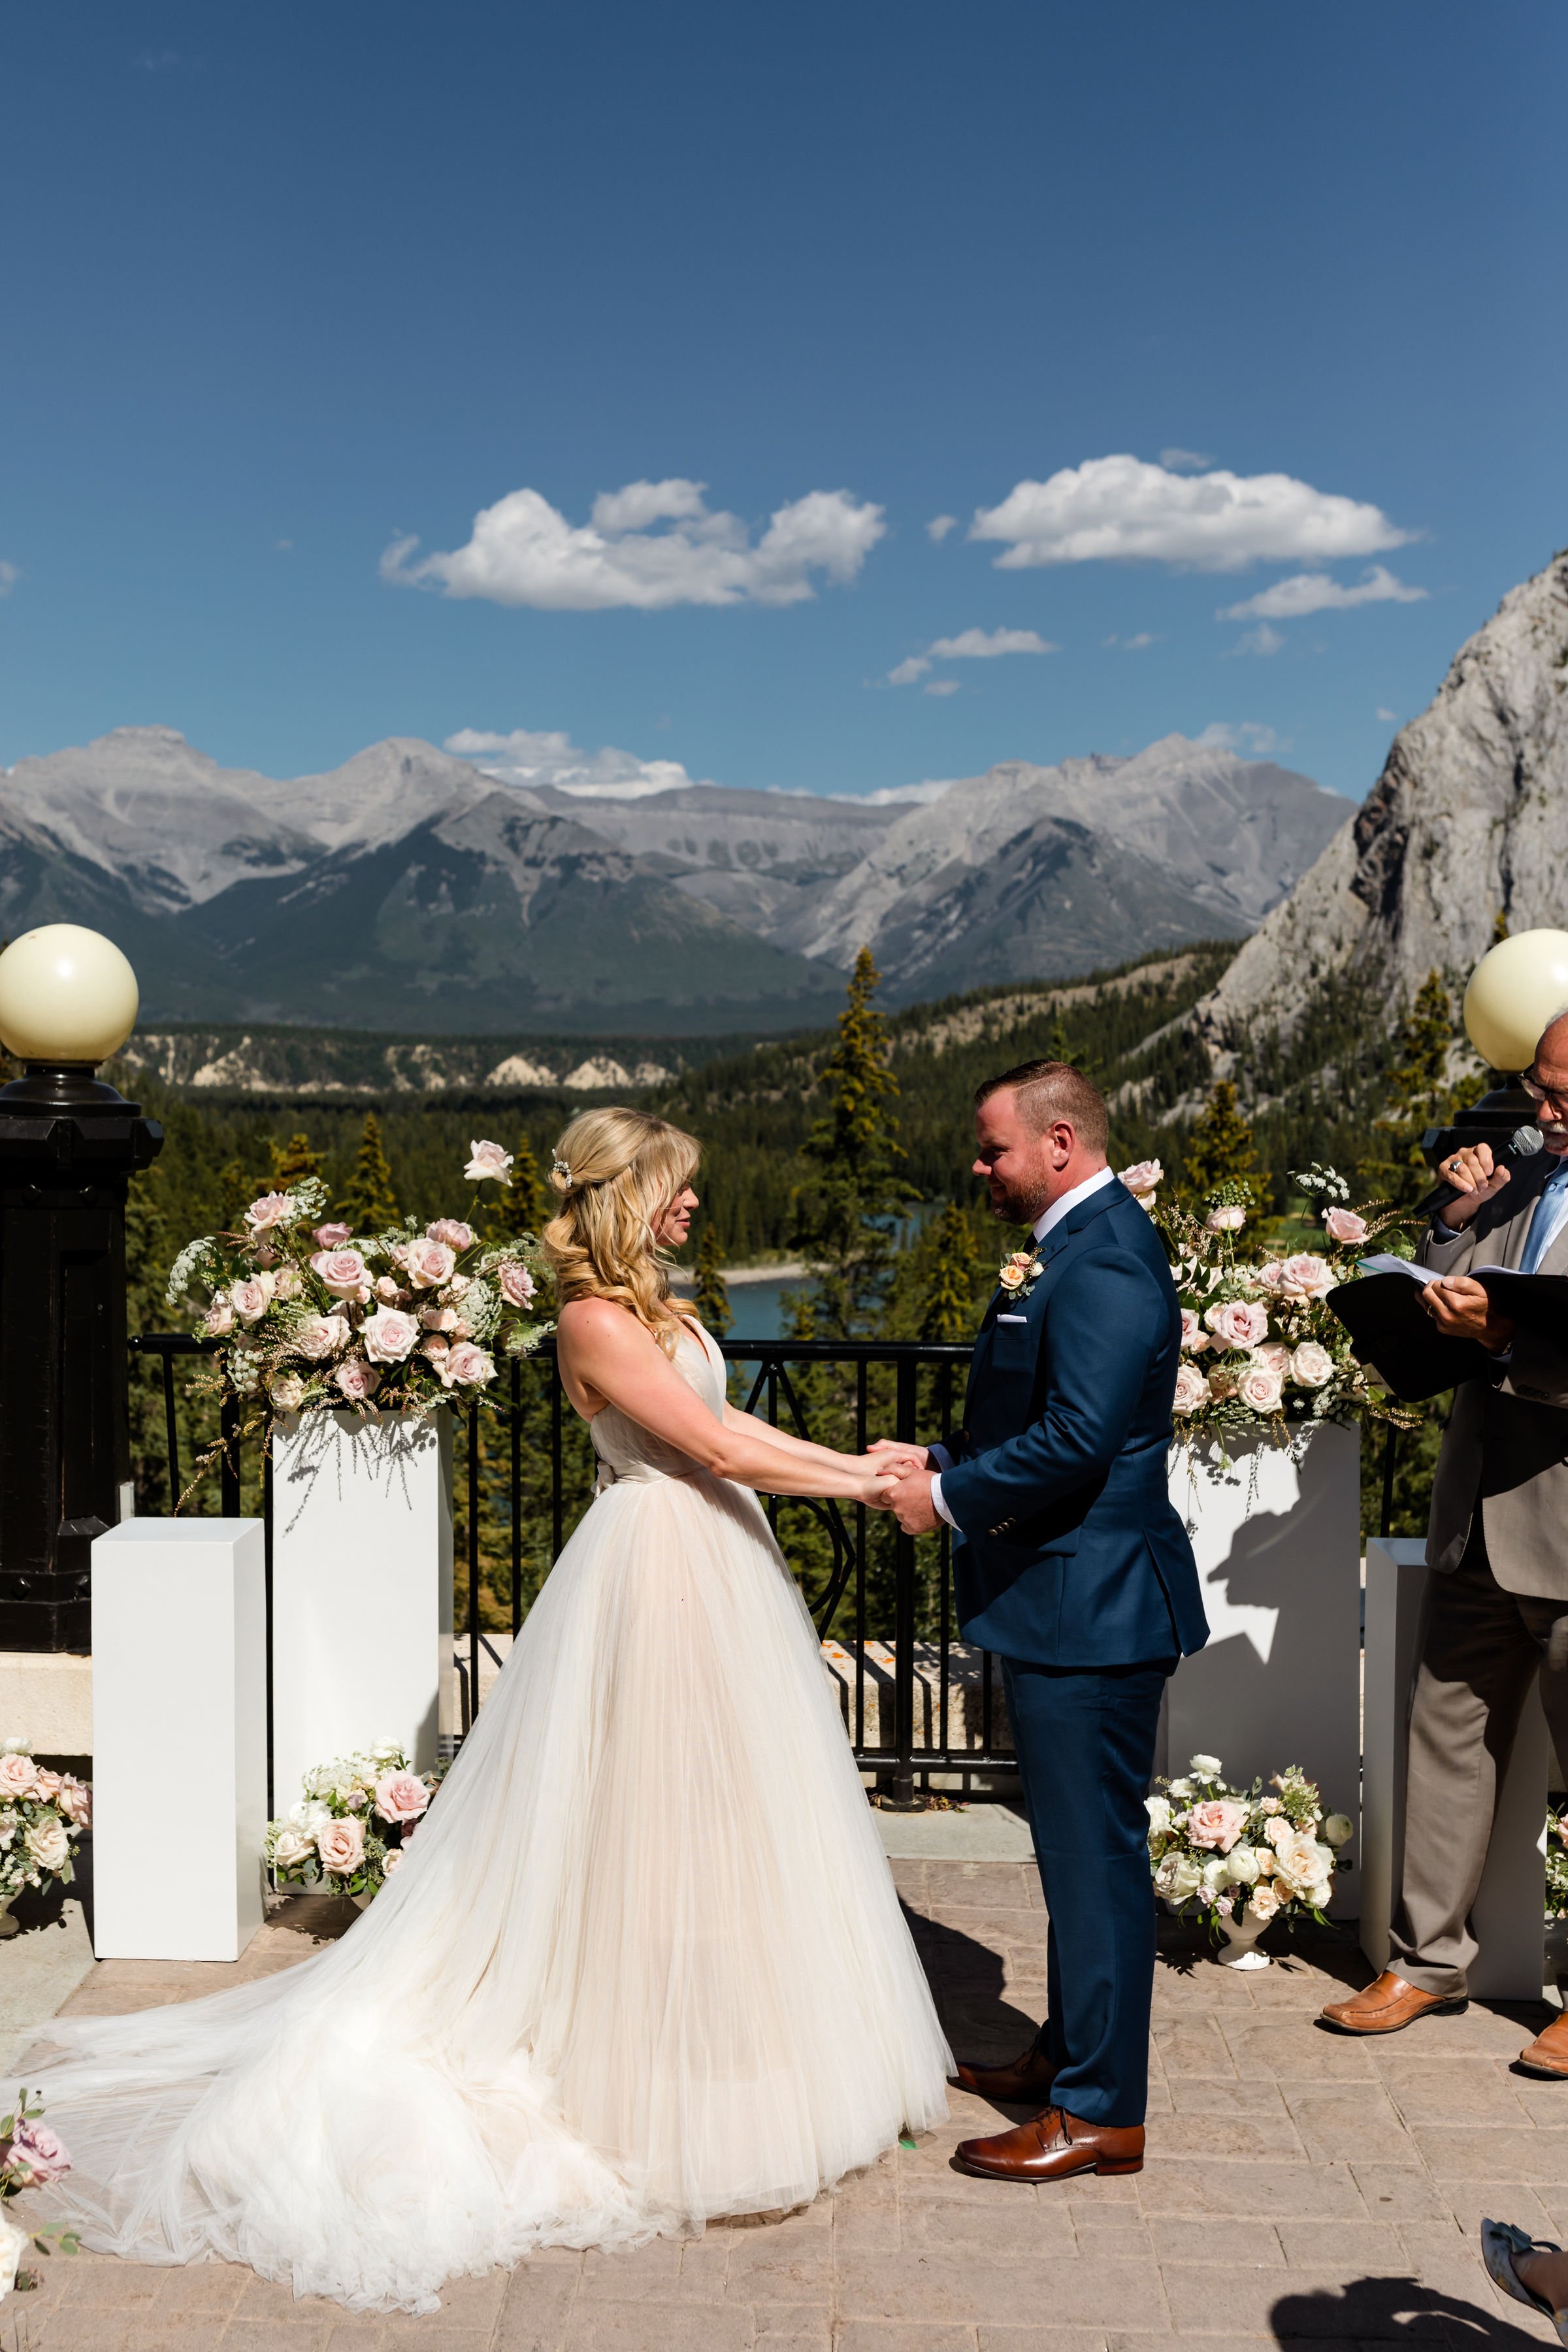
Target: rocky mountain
x=408, y=889
x=1468, y=821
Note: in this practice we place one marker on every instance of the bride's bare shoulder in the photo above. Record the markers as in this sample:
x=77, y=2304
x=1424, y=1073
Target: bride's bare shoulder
x=600, y=1322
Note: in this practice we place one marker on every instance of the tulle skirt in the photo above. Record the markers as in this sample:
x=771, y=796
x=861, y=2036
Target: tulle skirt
x=643, y=1965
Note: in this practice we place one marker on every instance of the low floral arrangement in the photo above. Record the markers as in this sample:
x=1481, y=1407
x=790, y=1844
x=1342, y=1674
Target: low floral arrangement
x=351, y=1827
x=1233, y=1851
x=1258, y=1343
x=42, y=1818
x=31, y=2157
x=1556, y=1843
x=311, y=1315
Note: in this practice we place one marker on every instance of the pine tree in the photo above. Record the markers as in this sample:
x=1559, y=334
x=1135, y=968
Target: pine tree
x=712, y=1292
x=1418, y=1094
x=951, y=1272
x=1219, y=1148
x=370, y=1204
x=294, y=1161
x=236, y=1190
x=846, y=1217
x=519, y=1209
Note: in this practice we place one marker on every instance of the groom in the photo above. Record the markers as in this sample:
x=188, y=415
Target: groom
x=1070, y=1562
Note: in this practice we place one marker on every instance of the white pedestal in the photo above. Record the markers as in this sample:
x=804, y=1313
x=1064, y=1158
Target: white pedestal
x=179, y=1738
x=1278, y=1543
x=362, y=1587
x=1509, y=1914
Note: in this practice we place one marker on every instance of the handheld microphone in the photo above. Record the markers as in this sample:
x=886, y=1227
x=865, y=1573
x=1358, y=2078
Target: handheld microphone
x=1522, y=1144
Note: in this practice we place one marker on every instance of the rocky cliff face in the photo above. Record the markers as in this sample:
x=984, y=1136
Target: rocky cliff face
x=1468, y=821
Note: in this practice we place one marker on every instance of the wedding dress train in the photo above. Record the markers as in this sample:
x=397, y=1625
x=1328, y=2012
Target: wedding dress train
x=643, y=1965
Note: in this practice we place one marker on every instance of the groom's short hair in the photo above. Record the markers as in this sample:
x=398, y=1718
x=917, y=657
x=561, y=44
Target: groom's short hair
x=1048, y=1090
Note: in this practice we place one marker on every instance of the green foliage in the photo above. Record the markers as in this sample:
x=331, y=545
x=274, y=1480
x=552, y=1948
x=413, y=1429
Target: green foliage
x=713, y=1295
x=293, y=1160
x=1418, y=1095
x=1220, y=1149
x=370, y=1204
x=942, y=1280
x=517, y=1210
x=853, y=1149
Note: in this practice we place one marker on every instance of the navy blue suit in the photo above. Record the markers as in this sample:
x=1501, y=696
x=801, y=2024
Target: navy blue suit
x=1071, y=1563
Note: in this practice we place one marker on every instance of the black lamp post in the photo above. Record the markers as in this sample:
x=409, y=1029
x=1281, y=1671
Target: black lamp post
x=1517, y=989
x=68, y=1147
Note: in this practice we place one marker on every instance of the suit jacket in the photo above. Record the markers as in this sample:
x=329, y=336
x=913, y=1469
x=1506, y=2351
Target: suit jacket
x=1505, y=1450
x=1069, y=1552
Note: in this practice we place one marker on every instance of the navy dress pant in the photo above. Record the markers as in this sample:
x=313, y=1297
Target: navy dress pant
x=1085, y=1738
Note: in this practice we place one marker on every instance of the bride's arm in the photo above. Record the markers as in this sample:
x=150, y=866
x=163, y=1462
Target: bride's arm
x=800, y=1449
x=611, y=1353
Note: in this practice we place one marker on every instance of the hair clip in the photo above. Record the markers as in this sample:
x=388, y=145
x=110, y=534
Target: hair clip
x=559, y=1168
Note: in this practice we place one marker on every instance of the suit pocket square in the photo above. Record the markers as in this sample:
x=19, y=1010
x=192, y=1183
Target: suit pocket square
x=1012, y=1319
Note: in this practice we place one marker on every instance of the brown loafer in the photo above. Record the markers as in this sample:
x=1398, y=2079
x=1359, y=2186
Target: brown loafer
x=1548, y=2054
x=1387, y=2006
x=1025, y=2082
x=1053, y=2147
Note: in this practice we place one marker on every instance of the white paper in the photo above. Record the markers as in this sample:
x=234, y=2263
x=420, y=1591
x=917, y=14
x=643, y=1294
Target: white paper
x=1387, y=1263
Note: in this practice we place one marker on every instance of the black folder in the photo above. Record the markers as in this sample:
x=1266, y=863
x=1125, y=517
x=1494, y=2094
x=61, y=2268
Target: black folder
x=1393, y=1332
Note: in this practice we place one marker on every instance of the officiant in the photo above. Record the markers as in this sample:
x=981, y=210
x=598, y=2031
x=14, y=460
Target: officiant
x=1498, y=1538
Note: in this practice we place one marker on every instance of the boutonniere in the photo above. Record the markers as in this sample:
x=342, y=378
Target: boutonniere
x=1018, y=1273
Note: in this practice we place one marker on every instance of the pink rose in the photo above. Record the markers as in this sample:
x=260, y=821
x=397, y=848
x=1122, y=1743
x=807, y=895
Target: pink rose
x=75, y=1800
x=435, y=1351
x=357, y=1380
x=387, y=1290
x=288, y=1283
x=389, y=1336
x=1306, y=1276
x=430, y=1263
x=1142, y=1179
x=340, y=1845
x=488, y=1160
x=458, y=1285
x=249, y=1299
x=36, y=2153
x=453, y=1232
x=272, y=1208
x=401, y=1796
x=1344, y=1225
x=438, y=1318
x=1229, y=1219
x=1311, y=1366
x=1217, y=1824
x=516, y=1283
x=341, y=1271
x=219, y=1318
x=49, y=1786
x=1260, y=1390
x=287, y=1393
x=1191, y=1390
x=18, y=1776
x=320, y=1337
x=1274, y=1356
x=1192, y=1330
x=392, y=1860
x=1238, y=1323
x=1270, y=1275
x=333, y=1237
x=470, y=1365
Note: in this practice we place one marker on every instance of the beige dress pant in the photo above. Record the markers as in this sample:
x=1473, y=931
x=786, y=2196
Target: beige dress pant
x=1481, y=1651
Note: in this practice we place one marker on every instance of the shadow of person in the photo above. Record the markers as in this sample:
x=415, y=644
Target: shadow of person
x=1392, y=2311
x=966, y=1979
x=43, y=1907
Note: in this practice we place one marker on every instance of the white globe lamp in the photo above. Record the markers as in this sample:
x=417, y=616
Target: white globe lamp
x=67, y=996
x=1517, y=988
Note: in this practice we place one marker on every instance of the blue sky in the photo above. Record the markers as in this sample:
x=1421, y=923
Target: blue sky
x=290, y=296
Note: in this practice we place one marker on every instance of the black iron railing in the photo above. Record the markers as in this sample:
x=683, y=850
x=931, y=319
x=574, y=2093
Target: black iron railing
x=916, y=1701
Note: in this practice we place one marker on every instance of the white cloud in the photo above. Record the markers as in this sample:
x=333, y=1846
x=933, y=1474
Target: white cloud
x=1135, y=645
x=889, y=794
x=524, y=551
x=9, y=575
x=1314, y=591
x=1185, y=461
x=1246, y=735
x=1121, y=509
x=1389, y=718
x=942, y=686
x=550, y=757
x=939, y=526
x=1261, y=640
x=969, y=645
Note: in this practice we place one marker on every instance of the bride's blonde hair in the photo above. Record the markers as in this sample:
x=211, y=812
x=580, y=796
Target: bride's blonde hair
x=617, y=1172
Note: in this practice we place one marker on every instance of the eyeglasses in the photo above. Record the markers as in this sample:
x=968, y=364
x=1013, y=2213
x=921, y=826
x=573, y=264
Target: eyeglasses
x=1556, y=1096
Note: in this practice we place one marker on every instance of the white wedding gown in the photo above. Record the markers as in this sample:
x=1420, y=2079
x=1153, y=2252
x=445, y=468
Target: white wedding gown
x=643, y=1964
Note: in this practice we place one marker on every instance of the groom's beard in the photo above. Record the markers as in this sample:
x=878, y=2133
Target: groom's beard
x=1017, y=1204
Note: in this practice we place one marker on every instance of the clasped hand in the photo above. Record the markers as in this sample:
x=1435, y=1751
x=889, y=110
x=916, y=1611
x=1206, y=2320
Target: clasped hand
x=1461, y=1309
x=906, y=1471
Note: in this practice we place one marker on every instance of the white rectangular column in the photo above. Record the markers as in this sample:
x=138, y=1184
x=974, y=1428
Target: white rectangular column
x=1509, y=1916
x=362, y=1587
x=1276, y=1532
x=179, y=1728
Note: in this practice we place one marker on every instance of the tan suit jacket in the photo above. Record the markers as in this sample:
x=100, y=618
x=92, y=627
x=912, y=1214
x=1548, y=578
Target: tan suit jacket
x=1506, y=1446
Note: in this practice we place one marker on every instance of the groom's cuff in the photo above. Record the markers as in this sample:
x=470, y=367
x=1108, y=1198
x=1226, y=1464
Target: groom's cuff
x=937, y=1506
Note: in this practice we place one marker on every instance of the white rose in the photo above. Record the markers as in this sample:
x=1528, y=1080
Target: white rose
x=1338, y=1830
x=1159, y=1811
x=13, y=2244
x=1191, y=1390
x=1142, y=1179
x=1241, y=1866
x=48, y=1844
x=1261, y=1388
x=1215, y=1872
x=292, y=1849
x=1228, y=1220
x=1312, y=1366
x=1205, y=1767
x=1179, y=1877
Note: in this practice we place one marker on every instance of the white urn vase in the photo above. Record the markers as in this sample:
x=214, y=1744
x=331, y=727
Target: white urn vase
x=1240, y=1947
x=362, y=1587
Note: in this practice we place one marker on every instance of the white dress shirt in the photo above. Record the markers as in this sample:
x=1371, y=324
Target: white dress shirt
x=1043, y=1225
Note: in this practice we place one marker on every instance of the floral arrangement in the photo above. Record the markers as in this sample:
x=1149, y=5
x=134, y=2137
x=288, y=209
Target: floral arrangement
x=349, y=1829
x=1259, y=1344
x=1230, y=1851
x=1556, y=1843
x=42, y=1818
x=308, y=1313
x=31, y=2157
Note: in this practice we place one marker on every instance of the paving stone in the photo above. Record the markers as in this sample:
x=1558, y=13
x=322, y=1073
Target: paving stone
x=1195, y=2046
x=1197, y=2240
x=1268, y=2192
x=1398, y=2192
x=1196, y=2094
x=981, y=2289
x=1465, y=2090
x=1239, y=2139
x=642, y=2327
x=1287, y=2050
x=1488, y=2154
x=1353, y=2120
x=1346, y=2250
x=904, y=2336
x=765, y=2270
x=1017, y=2221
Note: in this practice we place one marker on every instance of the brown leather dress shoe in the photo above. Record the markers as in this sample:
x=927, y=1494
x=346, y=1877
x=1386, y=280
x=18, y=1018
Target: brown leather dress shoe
x=1387, y=2005
x=1053, y=2147
x=1025, y=2082
x=1548, y=2054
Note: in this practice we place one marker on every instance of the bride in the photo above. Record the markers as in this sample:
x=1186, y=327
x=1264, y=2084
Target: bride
x=643, y=1964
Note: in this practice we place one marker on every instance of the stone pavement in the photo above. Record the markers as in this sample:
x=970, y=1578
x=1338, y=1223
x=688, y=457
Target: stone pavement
x=1299, y=2185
